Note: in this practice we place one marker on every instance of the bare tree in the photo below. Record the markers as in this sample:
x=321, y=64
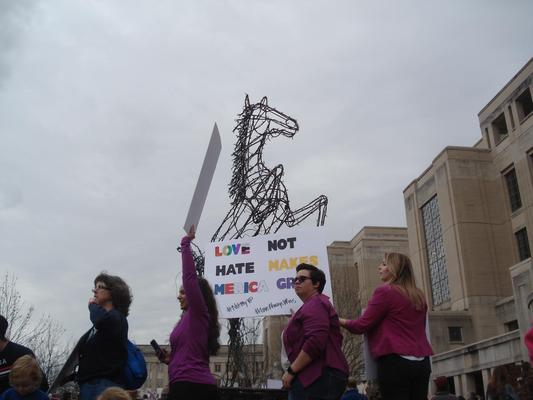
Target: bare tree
x=42, y=335
x=253, y=359
x=250, y=358
x=15, y=310
x=348, y=305
x=48, y=348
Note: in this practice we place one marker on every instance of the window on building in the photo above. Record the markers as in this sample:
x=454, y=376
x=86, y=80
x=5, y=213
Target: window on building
x=512, y=188
x=499, y=127
x=455, y=334
x=438, y=273
x=510, y=112
x=511, y=325
x=522, y=243
x=488, y=137
x=217, y=367
x=259, y=366
x=524, y=105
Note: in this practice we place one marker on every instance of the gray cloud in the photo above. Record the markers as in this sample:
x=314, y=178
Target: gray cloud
x=14, y=15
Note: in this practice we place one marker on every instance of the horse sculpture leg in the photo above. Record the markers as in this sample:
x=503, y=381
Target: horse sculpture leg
x=319, y=204
x=322, y=210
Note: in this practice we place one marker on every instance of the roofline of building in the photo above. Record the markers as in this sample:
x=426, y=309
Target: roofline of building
x=348, y=243
x=461, y=148
x=380, y=227
x=506, y=86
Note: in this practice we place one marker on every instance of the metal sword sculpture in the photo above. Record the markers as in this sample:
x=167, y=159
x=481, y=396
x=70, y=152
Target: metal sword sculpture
x=259, y=200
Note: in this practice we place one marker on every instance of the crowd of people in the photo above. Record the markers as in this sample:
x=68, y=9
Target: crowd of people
x=394, y=322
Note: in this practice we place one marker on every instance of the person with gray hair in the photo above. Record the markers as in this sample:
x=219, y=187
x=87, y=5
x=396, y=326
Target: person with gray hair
x=102, y=349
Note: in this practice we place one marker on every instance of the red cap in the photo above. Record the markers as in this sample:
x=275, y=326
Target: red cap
x=440, y=381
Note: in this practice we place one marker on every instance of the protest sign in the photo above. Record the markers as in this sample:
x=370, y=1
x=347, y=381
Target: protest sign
x=204, y=181
x=253, y=277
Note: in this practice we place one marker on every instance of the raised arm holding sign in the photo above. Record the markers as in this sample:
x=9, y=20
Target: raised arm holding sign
x=196, y=335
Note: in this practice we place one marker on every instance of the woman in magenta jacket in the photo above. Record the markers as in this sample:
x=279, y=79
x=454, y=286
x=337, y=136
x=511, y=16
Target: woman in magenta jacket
x=312, y=340
x=195, y=336
x=395, y=324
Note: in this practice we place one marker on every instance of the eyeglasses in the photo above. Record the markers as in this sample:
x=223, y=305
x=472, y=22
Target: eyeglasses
x=98, y=287
x=301, y=279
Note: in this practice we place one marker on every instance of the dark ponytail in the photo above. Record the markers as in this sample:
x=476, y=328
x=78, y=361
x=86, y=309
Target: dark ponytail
x=214, y=326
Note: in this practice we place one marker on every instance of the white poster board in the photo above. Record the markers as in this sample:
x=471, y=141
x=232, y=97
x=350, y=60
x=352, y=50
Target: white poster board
x=204, y=181
x=253, y=277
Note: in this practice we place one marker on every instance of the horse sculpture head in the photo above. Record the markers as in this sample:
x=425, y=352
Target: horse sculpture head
x=255, y=125
x=267, y=121
x=259, y=199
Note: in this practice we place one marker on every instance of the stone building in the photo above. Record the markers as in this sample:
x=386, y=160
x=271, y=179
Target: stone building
x=157, y=372
x=469, y=218
x=272, y=328
x=362, y=254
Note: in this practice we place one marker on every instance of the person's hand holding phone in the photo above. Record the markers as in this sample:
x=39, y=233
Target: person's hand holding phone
x=161, y=354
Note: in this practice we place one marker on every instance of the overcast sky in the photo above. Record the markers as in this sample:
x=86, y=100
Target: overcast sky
x=106, y=108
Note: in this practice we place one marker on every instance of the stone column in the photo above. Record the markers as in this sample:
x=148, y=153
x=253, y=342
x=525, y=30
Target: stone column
x=468, y=384
x=486, y=376
x=458, y=385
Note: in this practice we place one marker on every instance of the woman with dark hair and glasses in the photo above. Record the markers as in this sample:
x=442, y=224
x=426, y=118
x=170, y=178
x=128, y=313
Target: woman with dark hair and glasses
x=195, y=336
x=395, y=324
x=312, y=340
x=102, y=350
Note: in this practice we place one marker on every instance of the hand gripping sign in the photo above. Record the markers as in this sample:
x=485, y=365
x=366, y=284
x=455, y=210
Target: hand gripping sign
x=253, y=277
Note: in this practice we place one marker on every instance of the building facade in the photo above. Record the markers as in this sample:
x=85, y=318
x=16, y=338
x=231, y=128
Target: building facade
x=469, y=220
x=360, y=257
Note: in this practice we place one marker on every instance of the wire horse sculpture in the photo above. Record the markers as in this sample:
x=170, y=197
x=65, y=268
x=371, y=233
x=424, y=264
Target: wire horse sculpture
x=259, y=201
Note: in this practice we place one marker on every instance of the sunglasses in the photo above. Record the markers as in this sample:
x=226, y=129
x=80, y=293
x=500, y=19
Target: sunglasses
x=301, y=279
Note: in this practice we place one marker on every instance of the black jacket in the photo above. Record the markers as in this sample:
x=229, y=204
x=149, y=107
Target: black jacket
x=102, y=352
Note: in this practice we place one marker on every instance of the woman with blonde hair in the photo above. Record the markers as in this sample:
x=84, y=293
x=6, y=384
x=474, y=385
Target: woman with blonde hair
x=25, y=379
x=395, y=324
